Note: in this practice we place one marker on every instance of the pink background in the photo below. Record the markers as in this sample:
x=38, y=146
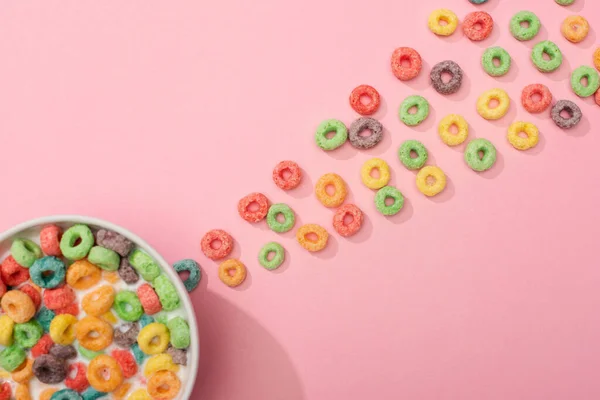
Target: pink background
x=160, y=115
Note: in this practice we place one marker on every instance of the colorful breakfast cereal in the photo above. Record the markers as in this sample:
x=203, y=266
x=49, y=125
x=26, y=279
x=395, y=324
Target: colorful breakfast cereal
x=365, y=91
x=478, y=25
x=456, y=76
x=480, y=154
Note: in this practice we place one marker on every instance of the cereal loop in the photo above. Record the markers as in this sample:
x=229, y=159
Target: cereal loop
x=160, y=362
x=597, y=58
x=153, y=338
x=149, y=299
x=18, y=306
x=62, y=329
x=128, y=306
x=244, y=207
x=121, y=391
x=25, y=252
x=446, y=16
x=22, y=392
x=339, y=195
x=519, y=142
x=93, y=333
x=366, y=91
x=48, y=272
x=33, y=294
x=104, y=374
x=480, y=154
x=554, y=54
x=58, y=298
x=13, y=274
x=112, y=276
x=278, y=256
x=99, y=301
x=232, y=273
x=478, y=25
x=195, y=274
x=24, y=372
x=350, y=228
x=382, y=169
x=50, y=240
x=164, y=385
x=434, y=173
x=284, y=181
x=5, y=391
x=126, y=361
x=77, y=377
x=83, y=275
x=483, y=104
x=406, y=54
x=46, y=394
x=212, y=237
x=528, y=101
x=312, y=245
x=447, y=136
x=575, y=28
x=6, y=330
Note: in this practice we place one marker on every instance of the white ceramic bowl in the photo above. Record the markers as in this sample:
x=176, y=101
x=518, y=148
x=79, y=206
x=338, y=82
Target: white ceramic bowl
x=32, y=228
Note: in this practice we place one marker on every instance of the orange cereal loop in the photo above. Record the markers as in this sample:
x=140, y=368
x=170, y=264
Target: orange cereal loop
x=83, y=275
x=232, y=272
x=121, y=391
x=575, y=28
x=164, y=385
x=104, y=374
x=18, y=306
x=339, y=194
x=111, y=276
x=24, y=372
x=98, y=301
x=93, y=333
x=310, y=244
x=22, y=392
x=597, y=59
x=46, y=394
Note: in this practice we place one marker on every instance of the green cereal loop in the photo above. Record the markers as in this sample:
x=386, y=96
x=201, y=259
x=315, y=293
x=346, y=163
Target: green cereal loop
x=44, y=317
x=592, y=77
x=387, y=192
x=138, y=353
x=404, y=154
x=552, y=50
x=26, y=335
x=288, y=215
x=144, y=265
x=88, y=354
x=495, y=53
x=422, y=106
x=104, y=258
x=25, y=252
x=11, y=357
x=180, y=333
x=128, y=306
x=473, y=159
x=330, y=125
x=276, y=261
x=70, y=237
x=167, y=294
x=565, y=2
x=521, y=33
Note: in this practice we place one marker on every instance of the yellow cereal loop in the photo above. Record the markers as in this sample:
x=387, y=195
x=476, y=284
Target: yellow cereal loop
x=382, y=168
x=154, y=338
x=4, y=374
x=444, y=129
x=339, y=194
x=431, y=180
x=7, y=326
x=139, y=394
x=46, y=394
x=523, y=143
x=110, y=318
x=446, y=16
x=121, y=391
x=62, y=329
x=24, y=372
x=483, y=104
x=22, y=392
x=111, y=276
x=160, y=362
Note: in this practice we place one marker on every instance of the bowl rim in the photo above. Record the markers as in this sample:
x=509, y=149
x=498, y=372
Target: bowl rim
x=166, y=267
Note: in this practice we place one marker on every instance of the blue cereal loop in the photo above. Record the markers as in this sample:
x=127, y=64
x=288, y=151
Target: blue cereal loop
x=193, y=268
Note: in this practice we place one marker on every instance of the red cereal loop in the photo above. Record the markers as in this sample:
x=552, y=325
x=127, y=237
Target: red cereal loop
x=475, y=19
x=33, y=294
x=253, y=216
x=50, y=236
x=12, y=273
x=72, y=309
x=126, y=361
x=149, y=299
x=42, y=346
x=55, y=299
x=368, y=91
x=352, y=227
x=406, y=54
x=5, y=391
x=536, y=106
x=2, y=288
x=596, y=97
x=213, y=236
x=76, y=377
x=290, y=182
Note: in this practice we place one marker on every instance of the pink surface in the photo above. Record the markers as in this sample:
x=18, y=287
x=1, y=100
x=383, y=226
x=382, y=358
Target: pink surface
x=160, y=115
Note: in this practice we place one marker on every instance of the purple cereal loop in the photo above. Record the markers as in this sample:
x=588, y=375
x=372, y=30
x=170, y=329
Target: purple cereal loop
x=571, y=108
x=179, y=356
x=49, y=369
x=126, y=335
x=113, y=241
x=63, y=352
x=451, y=68
x=127, y=272
x=365, y=142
